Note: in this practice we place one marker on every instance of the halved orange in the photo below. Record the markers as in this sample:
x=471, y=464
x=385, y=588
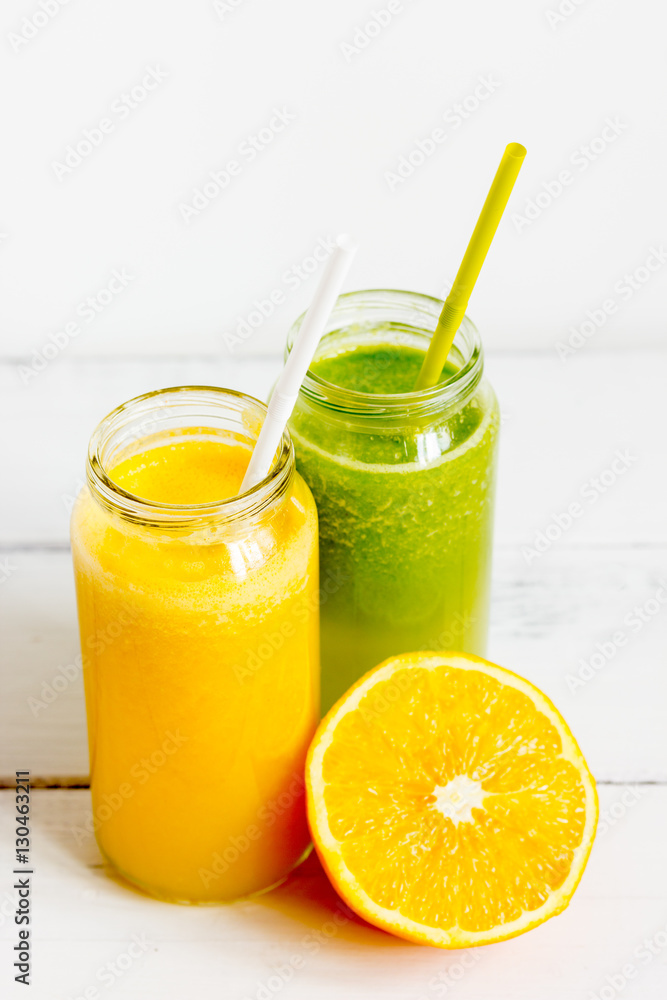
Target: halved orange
x=449, y=802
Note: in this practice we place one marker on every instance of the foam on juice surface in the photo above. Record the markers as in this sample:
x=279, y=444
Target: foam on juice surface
x=197, y=470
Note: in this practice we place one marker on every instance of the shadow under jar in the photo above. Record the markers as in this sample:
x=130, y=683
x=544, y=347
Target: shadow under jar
x=403, y=482
x=199, y=636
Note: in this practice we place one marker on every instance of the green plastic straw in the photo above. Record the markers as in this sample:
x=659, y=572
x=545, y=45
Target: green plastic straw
x=456, y=303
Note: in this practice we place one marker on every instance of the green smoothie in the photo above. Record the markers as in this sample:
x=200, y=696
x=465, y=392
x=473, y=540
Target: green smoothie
x=404, y=492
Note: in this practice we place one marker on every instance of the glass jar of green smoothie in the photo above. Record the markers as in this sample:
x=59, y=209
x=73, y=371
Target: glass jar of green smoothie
x=403, y=481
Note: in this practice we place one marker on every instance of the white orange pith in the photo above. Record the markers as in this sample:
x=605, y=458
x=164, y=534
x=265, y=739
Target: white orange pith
x=449, y=802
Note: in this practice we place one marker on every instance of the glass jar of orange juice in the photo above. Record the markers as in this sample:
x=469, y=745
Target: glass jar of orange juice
x=198, y=614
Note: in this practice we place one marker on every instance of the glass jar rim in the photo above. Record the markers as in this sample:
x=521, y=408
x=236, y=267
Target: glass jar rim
x=157, y=514
x=450, y=393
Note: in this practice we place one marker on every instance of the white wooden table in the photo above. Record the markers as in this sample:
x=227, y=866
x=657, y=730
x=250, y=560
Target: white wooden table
x=565, y=426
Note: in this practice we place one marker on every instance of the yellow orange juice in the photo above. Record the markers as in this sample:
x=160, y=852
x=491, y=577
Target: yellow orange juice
x=198, y=615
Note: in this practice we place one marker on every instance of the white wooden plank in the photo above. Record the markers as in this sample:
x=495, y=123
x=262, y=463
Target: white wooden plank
x=84, y=920
x=42, y=711
x=545, y=621
x=588, y=431
x=564, y=424
x=587, y=628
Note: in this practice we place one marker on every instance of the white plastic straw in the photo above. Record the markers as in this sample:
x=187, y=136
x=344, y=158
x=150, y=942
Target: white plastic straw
x=287, y=388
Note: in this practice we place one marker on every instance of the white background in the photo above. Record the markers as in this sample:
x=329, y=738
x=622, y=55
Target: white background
x=356, y=114
x=567, y=414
